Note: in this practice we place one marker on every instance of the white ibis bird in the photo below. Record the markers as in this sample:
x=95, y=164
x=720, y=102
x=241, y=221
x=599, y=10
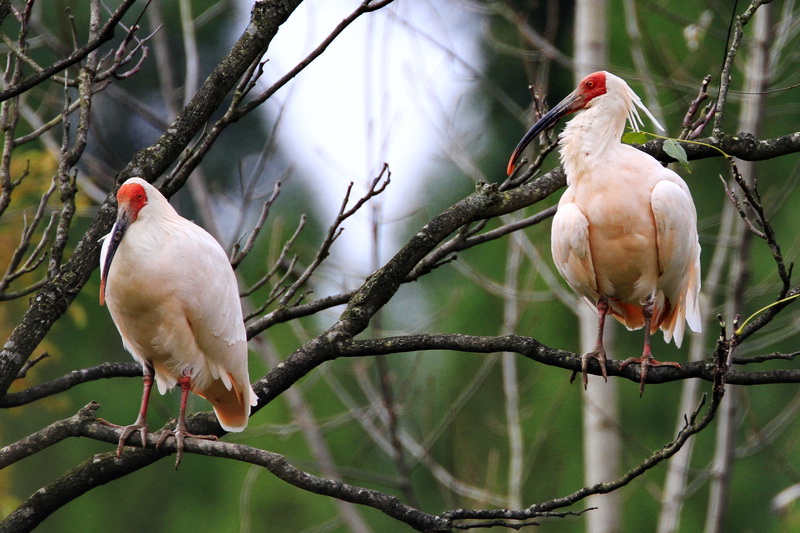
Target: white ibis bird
x=174, y=299
x=625, y=233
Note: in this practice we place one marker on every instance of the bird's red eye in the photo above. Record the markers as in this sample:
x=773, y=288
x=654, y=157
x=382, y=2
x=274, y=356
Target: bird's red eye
x=589, y=84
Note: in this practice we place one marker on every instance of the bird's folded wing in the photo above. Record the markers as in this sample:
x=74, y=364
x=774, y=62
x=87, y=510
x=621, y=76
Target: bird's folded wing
x=571, y=251
x=678, y=247
x=210, y=300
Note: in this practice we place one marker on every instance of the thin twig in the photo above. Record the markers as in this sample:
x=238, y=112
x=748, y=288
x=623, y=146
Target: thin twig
x=378, y=185
x=725, y=78
x=693, y=128
x=239, y=253
x=68, y=381
x=105, y=34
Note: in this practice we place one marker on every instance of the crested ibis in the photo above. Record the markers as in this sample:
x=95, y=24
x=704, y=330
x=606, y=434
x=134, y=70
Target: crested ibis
x=625, y=233
x=174, y=299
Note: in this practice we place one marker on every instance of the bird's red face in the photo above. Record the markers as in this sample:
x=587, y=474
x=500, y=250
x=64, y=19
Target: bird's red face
x=131, y=198
x=591, y=87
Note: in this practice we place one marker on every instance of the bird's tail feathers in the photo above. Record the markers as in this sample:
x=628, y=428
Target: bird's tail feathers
x=671, y=319
x=231, y=405
x=629, y=315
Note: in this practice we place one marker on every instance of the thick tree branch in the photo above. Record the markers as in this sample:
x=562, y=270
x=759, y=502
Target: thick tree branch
x=489, y=202
x=526, y=346
x=743, y=146
x=536, y=351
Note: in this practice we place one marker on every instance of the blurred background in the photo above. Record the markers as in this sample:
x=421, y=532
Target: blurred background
x=439, y=90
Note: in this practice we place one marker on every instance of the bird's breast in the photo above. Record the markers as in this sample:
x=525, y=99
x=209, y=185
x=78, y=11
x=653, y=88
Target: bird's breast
x=622, y=239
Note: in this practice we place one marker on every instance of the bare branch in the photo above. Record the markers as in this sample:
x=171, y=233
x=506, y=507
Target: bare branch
x=236, y=111
x=30, y=363
x=693, y=426
x=103, y=35
x=238, y=254
x=733, y=49
x=76, y=377
x=14, y=269
x=379, y=184
x=280, y=262
x=46, y=437
x=693, y=128
x=774, y=356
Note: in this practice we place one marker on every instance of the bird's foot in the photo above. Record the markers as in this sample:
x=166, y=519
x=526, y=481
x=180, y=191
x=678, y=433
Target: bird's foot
x=180, y=434
x=127, y=431
x=645, y=362
x=598, y=353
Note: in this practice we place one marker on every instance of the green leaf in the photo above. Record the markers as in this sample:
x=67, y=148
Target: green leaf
x=634, y=137
x=676, y=152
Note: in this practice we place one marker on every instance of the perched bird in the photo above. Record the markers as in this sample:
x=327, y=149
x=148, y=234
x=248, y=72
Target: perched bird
x=174, y=299
x=625, y=233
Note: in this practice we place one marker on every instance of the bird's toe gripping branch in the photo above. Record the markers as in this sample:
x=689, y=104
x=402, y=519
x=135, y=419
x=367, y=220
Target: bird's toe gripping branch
x=599, y=353
x=645, y=362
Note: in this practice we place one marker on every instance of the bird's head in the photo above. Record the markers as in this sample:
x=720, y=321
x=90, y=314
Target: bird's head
x=591, y=87
x=132, y=196
x=594, y=88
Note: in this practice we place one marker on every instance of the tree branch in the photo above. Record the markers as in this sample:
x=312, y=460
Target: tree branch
x=105, y=34
x=76, y=377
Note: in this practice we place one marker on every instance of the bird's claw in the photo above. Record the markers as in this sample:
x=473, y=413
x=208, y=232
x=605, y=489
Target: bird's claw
x=645, y=362
x=180, y=434
x=127, y=431
x=598, y=353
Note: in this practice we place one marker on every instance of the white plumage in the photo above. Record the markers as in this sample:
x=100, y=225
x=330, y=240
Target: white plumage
x=174, y=299
x=625, y=233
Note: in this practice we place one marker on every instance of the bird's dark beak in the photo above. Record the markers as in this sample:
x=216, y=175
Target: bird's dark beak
x=568, y=105
x=120, y=227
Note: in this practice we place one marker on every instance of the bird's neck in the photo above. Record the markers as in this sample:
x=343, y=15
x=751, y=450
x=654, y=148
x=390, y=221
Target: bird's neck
x=588, y=138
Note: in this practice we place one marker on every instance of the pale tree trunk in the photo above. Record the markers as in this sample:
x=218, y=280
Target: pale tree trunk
x=516, y=443
x=756, y=74
x=601, y=441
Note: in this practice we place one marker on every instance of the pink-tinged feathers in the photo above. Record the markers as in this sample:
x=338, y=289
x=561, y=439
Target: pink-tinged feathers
x=626, y=227
x=174, y=299
x=231, y=405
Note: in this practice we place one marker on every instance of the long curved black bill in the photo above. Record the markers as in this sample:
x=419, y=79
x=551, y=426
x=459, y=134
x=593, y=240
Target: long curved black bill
x=120, y=227
x=564, y=107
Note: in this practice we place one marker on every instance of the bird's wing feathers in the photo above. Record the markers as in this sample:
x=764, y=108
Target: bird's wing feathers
x=217, y=304
x=571, y=251
x=210, y=300
x=678, y=251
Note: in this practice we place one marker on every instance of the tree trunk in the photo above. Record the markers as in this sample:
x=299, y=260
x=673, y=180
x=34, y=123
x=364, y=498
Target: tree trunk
x=601, y=443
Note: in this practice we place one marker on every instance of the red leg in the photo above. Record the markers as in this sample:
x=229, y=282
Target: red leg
x=646, y=360
x=598, y=352
x=141, y=421
x=180, y=432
